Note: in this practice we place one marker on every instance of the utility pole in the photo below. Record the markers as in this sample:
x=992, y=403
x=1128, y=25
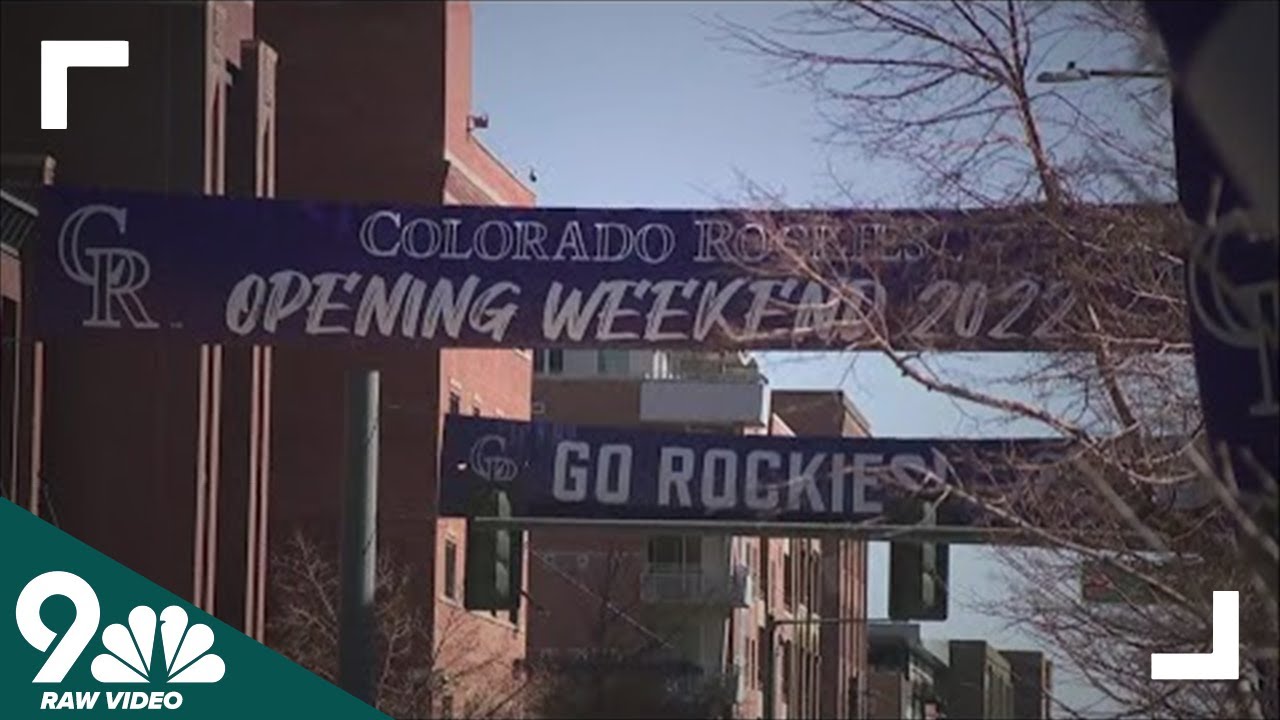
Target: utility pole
x=356, y=659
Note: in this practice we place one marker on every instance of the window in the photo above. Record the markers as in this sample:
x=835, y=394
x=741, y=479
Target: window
x=756, y=575
x=455, y=403
x=549, y=362
x=786, y=671
x=612, y=362
x=815, y=579
x=788, y=583
x=8, y=391
x=665, y=551
x=676, y=550
x=762, y=661
x=451, y=569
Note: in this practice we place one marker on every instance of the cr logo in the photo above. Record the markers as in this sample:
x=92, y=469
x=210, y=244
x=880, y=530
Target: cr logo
x=115, y=275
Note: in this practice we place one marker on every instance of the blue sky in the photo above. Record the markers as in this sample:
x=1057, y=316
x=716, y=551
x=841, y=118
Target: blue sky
x=629, y=104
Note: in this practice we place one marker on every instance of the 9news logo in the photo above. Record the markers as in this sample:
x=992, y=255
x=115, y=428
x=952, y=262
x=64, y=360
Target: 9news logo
x=130, y=651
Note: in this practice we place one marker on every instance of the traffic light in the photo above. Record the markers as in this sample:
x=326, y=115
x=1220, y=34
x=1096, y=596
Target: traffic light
x=918, y=578
x=493, y=557
x=919, y=572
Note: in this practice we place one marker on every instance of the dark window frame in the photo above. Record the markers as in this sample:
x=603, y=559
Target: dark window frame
x=451, y=569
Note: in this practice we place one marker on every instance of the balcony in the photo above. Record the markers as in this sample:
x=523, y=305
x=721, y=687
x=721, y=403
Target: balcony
x=714, y=692
x=728, y=401
x=696, y=587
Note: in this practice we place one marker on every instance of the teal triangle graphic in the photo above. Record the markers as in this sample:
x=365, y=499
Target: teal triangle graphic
x=167, y=669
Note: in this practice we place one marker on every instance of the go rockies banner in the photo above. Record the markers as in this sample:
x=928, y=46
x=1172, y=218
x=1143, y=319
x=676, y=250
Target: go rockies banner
x=83, y=636
x=267, y=271
x=564, y=471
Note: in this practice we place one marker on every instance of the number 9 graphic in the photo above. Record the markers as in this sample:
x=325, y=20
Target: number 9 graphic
x=75, y=639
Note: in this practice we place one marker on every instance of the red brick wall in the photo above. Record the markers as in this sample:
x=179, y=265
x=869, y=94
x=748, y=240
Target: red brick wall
x=361, y=99
x=568, y=613
x=491, y=383
x=844, y=595
x=109, y=428
x=366, y=92
x=463, y=147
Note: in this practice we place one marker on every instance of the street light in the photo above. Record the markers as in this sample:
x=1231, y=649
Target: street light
x=1079, y=74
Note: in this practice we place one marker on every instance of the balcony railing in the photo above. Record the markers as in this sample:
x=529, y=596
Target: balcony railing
x=17, y=222
x=697, y=587
x=717, y=690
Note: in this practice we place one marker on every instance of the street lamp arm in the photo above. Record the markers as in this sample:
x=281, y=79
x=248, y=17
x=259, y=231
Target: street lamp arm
x=1128, y=73
x=819, y=621
x=1072, y=73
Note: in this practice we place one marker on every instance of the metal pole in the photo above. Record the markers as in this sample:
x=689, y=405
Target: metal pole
x=876, y=533
x=356, y=660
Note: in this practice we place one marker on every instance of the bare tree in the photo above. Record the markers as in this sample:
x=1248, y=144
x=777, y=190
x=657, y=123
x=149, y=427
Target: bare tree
x=414, y=665
x=946, y=88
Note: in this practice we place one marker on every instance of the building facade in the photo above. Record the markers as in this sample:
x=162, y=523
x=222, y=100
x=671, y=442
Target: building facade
x=1032, y=684
x=716, y=598
x=906, y=679
x=842, y=595
x=234, y=451
x=679, y=608
x=103, y=429
x=979, y=682
x=419, y=147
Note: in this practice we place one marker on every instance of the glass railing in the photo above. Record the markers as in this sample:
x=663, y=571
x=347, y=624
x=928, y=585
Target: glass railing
x=694, y=586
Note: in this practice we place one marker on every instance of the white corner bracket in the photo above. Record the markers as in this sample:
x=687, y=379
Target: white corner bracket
x=58, y=55
x=1221, y=664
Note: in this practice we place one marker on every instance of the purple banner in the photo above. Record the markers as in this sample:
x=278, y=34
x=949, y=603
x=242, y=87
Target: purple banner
x=266, y=271
x=551, y=470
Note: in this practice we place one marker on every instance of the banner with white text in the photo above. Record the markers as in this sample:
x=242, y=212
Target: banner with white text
x=551, y=470
x=269, y=271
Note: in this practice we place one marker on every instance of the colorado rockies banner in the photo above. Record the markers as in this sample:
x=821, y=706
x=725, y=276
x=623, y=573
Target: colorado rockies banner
x=265, y=271
x=552, y=470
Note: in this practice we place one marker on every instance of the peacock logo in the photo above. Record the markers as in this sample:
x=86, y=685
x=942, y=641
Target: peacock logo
x=129, y=655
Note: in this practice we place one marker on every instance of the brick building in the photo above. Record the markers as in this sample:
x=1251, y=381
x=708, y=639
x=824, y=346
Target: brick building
x=107, y=429
x=340, y=60
x=712, y=594
x=979, y=681
x=1032, y=684
x=684, y=599
x=230, y=450
x=906, y=679
x=843, y=575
